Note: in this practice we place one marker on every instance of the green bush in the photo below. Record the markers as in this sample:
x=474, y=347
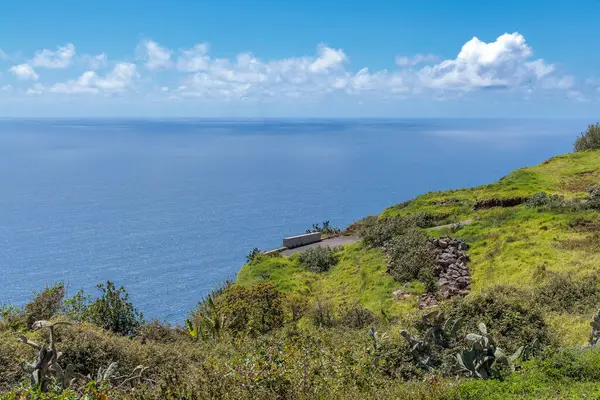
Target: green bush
x=566, y=294
x=326, y=228
x=45, y=304
x=356, y=316
x=593, y=200
x=581, y=364
x=589, y=140
x=11, y=318
x=113, y=311
x=410, y=257
x=543, y=199
x=160, y=332
x=256, y=310
x=253, y=255
x=376, y=232
x=424, y=220
x=323, y=315
x=513, y=316
x=579, y=221
x=318, y=259
x=295, y=305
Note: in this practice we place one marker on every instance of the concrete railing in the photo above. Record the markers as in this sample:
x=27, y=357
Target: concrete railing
x=301, y=240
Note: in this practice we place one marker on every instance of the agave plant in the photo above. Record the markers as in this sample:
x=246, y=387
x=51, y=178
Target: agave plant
x=207, y=322
x=480, y=359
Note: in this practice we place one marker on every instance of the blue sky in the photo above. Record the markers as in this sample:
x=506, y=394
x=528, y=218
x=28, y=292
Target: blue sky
x=299, y=58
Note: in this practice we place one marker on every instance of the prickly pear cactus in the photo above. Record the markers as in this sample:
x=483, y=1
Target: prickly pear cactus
x=595, y=335
x=46, y=366
x=479, y=360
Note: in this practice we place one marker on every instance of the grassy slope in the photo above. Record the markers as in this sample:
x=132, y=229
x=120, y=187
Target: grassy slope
x=508, y=245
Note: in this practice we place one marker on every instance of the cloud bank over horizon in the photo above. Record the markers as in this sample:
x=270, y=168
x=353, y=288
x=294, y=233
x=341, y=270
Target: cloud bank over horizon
x=156, y=73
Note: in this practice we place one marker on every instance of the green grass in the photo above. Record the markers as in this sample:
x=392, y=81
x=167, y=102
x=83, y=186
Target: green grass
x=359, y=276
x=517, y=246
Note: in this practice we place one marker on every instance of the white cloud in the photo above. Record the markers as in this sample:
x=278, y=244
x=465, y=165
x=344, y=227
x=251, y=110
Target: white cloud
x=156, y=57
x=3, y=55
x=409, y=61
x=327, y=59
x=95, y=62
x=24, y=72
x=35, y=90
x=540, y=68
x=194, y=59
x=577, y=96
x=119, y=79
x=59, y=59
x=555, y=82
x=502, y=64
x=506, y=63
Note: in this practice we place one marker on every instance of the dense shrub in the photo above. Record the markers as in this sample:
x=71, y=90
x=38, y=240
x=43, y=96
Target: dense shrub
x=593, y=200
x=12, y=318
x=376, y=232
x=424, y=220
x=295, y=306
x=564, y=293
x=45, y=304
x=512, y=316
x=318, y=259
x=113, y=311
x=589, y=140
x=356, y=316
x=393, y=360
x=160, y=332
x=543, y=199
x=256, y=310
x=323, y=314
x=409, y=256
x=579, y=221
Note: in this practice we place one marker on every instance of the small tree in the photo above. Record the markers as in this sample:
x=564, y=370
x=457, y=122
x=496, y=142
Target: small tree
x=45, y=304
x=113, y=311
x=253, y=255
x=589, y=140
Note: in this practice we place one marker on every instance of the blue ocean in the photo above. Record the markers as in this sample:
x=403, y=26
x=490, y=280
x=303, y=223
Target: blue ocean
x=171, y=208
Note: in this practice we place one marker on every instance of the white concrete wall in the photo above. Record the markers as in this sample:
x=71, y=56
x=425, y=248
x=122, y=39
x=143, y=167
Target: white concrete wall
x=301, y=240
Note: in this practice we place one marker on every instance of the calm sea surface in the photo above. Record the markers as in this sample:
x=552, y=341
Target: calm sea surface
x=171, y=208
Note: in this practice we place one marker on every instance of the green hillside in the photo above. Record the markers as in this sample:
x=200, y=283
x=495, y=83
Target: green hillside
x=511, y=268
x=519, y=245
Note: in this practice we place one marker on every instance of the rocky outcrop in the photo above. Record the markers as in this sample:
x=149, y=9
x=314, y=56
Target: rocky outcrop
x=450, y=270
